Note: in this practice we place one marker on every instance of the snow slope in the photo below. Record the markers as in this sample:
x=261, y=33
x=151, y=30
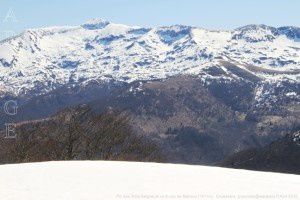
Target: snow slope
x=46, y=58
x=107, y=180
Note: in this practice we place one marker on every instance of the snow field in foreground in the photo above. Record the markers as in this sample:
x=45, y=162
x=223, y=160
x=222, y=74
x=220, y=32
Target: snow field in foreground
x=109, y=180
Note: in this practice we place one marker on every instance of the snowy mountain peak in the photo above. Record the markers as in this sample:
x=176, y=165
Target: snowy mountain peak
x=256, y=27
x=170, y=34
x=259, y=33
x=256, y=33
x=291, y=32
x=95, y=24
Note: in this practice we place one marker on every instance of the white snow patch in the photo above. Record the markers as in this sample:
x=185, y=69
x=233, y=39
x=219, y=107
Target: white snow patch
x=107, y=180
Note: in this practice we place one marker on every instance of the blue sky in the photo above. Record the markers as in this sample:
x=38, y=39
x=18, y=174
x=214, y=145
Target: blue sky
x=211, y=14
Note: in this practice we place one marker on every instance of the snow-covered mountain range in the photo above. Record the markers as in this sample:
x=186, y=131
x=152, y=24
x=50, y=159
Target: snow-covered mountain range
x=200, y=95
x=98, y=50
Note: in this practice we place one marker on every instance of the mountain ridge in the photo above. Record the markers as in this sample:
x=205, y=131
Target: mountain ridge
x=100, y=51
